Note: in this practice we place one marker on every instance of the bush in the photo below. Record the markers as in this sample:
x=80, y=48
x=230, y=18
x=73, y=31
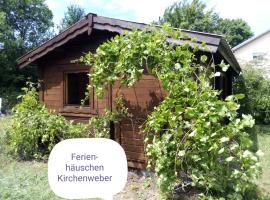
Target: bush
x=256, y=88
x=35, y=130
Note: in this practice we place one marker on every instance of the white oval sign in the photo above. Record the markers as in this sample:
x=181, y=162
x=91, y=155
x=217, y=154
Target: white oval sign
x=87, y=168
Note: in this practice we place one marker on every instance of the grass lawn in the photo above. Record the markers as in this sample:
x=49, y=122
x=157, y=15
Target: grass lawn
x=263, y=137
x=28, y=180
x=22, y=180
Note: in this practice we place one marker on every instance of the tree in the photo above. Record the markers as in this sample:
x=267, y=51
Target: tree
x=256, y=88
x=234, y=30
x=3, y=29
x=74, y=13
x=194, y=16
x=2, y=25
x=29, y=20
x=25, y=24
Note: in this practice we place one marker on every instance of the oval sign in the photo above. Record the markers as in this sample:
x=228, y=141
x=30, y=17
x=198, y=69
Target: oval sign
x=87, y=168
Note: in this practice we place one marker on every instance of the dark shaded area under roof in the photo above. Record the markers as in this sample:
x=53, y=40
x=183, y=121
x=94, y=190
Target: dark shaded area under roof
x=214, y=43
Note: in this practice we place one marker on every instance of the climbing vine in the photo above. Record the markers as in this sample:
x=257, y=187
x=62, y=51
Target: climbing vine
x=194, y=139
x=100, y=126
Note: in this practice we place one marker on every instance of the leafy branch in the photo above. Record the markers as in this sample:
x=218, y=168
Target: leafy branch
x=187, y=142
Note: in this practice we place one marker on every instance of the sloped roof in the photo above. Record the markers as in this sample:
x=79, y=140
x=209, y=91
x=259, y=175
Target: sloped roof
x=249, y=40
x=214, y=43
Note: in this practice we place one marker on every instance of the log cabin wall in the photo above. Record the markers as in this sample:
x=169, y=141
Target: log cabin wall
x=53, y=70
x=140, y=100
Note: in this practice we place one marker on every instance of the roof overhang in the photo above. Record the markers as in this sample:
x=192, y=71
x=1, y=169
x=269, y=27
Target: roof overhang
x=248, y=41
x=214, y=43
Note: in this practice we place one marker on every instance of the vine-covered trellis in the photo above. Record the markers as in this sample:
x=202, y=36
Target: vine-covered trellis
x=188, y=143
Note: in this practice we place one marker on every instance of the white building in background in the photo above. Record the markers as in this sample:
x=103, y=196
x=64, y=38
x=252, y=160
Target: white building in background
x=255, y=49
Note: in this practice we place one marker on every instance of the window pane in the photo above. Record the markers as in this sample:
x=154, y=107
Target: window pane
x=76, y=88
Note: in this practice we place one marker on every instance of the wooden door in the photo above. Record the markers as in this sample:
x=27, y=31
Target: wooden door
x=140, y=101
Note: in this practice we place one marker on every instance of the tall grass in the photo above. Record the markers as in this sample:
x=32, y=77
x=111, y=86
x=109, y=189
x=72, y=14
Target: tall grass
x=263, y=143
x=21, y=180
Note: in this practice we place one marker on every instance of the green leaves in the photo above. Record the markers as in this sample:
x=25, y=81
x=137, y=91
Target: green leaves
x=35, y=130
x=255, y=86
x=194, y=15
x=224, y=66
x=224, y=139
x=248, y=121
x=29, y=21
x=191, y=131
x=229, y=159
x=100, y=126
x=203, y=58
x=221, y=150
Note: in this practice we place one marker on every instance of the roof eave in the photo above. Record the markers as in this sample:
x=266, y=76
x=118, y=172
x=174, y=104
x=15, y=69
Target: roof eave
x=213, y=42
x=244, y=43
x=82, y=26
x=225, y=50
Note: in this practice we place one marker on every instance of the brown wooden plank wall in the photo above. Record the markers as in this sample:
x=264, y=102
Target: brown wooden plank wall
x=53, y=67
x=53, y=94
x=140, y=100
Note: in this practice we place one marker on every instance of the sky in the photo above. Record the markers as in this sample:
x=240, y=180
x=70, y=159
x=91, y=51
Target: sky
x=255, y=13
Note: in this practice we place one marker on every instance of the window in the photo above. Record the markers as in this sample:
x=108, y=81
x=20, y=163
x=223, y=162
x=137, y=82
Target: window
x=258, y=57
x=75, y=88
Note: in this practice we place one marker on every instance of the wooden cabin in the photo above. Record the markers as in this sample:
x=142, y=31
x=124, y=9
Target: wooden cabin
x=64, y=84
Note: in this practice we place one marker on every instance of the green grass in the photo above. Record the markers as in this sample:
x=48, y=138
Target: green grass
x=28, y=180
x=263, y=143
x=22, y=180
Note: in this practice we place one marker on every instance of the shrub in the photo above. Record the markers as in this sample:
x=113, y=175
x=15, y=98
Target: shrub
x=256, y=88
x=35, y=130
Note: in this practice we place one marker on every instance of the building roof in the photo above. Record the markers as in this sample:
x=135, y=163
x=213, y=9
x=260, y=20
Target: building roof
x=214, y=43
x=234, y=49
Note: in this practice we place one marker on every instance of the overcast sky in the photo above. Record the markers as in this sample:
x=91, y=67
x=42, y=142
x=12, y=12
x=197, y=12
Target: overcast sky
x=256, y=13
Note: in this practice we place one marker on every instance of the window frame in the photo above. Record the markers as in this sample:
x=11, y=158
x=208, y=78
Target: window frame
x=258, y=58
x=65, y=89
